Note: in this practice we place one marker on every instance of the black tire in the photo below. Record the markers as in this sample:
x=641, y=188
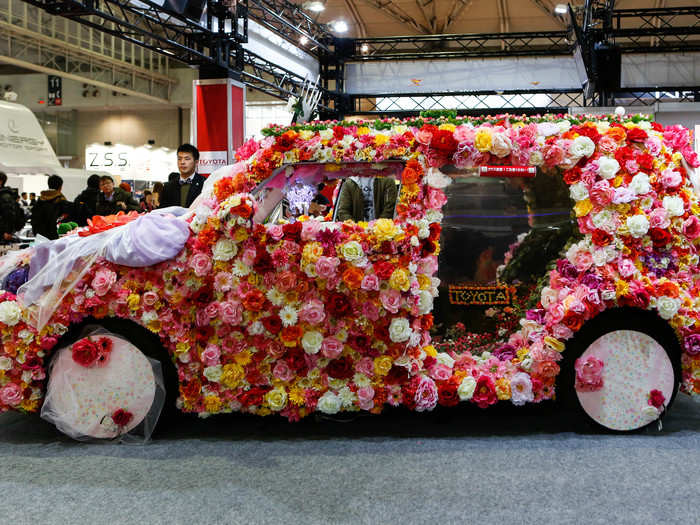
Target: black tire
x=644, y=321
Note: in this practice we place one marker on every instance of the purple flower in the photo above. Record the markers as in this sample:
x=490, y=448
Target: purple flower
x=536, y=315
x=592, y=281
x=692, y=344
x=504, y=352
x=566, y=269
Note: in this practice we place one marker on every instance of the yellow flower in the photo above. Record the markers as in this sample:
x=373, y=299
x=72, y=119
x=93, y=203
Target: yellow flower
x=382, y=365
x=423, y=281
x=182, y=347
x=380, y=139
x=231, y=375
x=212, y=403
x=362, y=130
x=483, y=140
x=621, y=288
x=430, y=350
x=400, y=129
x=522, y=353
x=399, y=280
x=583, y=207
x=447, y=126
x=133, y=301
x=554, y=344
x=385, y=229
x=241, y=234
x=617, y=181
x=306, y=134
x=243, y=358
x=276, y=399
x=312, y=251
x=503, y=389
x=296, y=396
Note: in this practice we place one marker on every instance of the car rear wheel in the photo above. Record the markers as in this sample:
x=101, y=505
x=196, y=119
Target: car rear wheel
x=623, y=370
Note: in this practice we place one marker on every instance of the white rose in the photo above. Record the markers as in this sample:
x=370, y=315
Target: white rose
x=445, y=359
x=640, y=184
x=433, y=216
x=347, y=397
x=600, y=257
x=501, y=145
x=564, y=126
x=674, y=206
x=578, y=191
x=536, y=158
x=425, y=302
x=399, y=129
x=5, y=363
x=10, y=313
x=667, y=306
x=466, y=388
x=608, y=167
x=352, y=251
x=604, y=220
x=256, y=328
x=582, y=147
x=437, y=179
x=329, y=403
x=312, y=341
x=638, y=225
x=213, y=373
x=326, y=134
x=399, y=330
x=276, y=399
x=548, y=296
x=225, y=250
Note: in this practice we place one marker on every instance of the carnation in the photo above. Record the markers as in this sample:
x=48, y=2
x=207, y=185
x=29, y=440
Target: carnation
x=352, y=251
x=608, y=167
x=640, y=184
x=582, y=147
x=674, y=206
x=426, y=394
x=225, y=250
x=399, y=330
x=10, y=313
x=578, y=191
x=638, y=225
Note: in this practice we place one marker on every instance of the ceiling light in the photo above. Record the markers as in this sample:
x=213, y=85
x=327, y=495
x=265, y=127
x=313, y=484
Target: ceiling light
x=561, y=9
x=314, y=5
x=339, y=26
x=303, y=40
x=364, y=49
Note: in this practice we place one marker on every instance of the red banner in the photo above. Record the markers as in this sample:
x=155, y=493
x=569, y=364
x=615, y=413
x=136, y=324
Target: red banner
x=218, y=122
x=507, y=171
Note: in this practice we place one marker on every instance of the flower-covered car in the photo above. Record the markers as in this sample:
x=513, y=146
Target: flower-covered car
x=568, y=268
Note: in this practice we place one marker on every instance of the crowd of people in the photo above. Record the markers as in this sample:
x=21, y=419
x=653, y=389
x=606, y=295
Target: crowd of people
x=100, y=197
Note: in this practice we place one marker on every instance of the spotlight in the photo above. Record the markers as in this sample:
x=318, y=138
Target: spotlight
x=314, y=5
x=364, y=49
x=560, y=9
x=339, y=26
x=303, y=40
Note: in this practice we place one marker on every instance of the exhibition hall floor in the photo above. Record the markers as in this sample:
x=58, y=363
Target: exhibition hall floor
x=504, y=466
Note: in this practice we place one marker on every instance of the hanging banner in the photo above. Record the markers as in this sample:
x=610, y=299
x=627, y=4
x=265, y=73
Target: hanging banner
x=507, y=171
x=218, y=122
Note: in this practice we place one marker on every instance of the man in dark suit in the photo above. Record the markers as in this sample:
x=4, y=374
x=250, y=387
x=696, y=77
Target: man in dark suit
x=187, y=187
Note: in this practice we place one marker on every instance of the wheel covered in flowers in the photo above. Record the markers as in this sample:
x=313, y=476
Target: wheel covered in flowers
x=102, y=385
x=623, y=372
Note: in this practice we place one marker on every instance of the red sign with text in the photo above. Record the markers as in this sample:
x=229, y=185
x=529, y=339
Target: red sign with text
x=218, y=122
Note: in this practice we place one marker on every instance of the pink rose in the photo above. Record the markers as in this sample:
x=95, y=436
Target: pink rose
x=428, y=265
x=149, y=298
x=230, y=312
x=211, y=355
x=248, y=256
x=632, y=167
x=391, y=300
x=607, y=144
x=326, y=267
x=426, y=394
x=331, y=347
x=626, y=268
x=309, y=230
x=671, y=179
x=435, y=198
x=202, y=318
x=365, y=396
x=370, y=282
x=583, y=260
x=691, y=227
x=440, y=372
x=554, y=314
x=282, y=371
x=286, y=281
x=423, y=137
x=103, y=281
x=275, y=231
x=11, y=394
x=602, y=193
x=562, y=332
x=370, y=310
x=658, y=218
x=589, y=374
x=201, y=264
x=464, y=133
x=313, y=312
x=365, y=366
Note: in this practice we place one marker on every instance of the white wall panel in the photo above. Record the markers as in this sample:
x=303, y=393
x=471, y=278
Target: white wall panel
x=660, y=69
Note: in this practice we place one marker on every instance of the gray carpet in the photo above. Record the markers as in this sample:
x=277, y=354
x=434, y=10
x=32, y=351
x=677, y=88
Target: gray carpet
x=464, y=466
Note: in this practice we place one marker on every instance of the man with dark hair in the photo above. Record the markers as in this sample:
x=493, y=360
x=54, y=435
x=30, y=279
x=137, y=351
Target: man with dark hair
x=32, y=199
x=112, y=200
x=86, y=202
x=51, y=209
x=188, y=186
x=11, y=214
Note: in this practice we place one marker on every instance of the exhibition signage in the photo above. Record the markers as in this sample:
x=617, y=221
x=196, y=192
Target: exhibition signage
x=217, y=137
x=507, y=171
x=22, y=141
x=131, y=162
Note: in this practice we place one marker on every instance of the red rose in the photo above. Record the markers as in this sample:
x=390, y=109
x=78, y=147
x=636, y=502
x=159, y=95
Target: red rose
x=254, y=396
x=443, y=141
x=447, y=394
x=396, y=376
x=292, y=231
x=383, y=269
x=636, y=135
x=272, y=323
x=572, y=321
x=362, y=343
x=122, y=417
x=263, y=262
x=338, y=305
x=254, y=300
x=659, y=237
x=637, y=299
x=573, y=175
x=85, y=352
x=601, y=238
x=435, y=230
x=296, y=361
x=427, y=247
x=340, y=368
x=485, y=392
x=656, y=398
x=338, y=132
x=645, y=161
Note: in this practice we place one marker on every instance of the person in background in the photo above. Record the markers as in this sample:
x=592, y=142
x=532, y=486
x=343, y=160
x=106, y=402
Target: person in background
x=157, y=192
x=11, y=214
x=188, y=185
x=86, y=202
x=147, y=201
x=32, y=199
x=25, y=200
x=112, y=200
x=367, y=199
x=51, y=209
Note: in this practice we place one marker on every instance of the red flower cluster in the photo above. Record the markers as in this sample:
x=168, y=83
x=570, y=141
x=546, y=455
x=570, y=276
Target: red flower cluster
x=87, y=352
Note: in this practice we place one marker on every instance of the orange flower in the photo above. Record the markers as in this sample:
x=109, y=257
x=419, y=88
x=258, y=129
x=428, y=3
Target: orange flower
x=616, y=133
x=224, y=188
x=668, y=288
x=409, y=176
x=254, y=300
x=290, y=335
x=352, y=277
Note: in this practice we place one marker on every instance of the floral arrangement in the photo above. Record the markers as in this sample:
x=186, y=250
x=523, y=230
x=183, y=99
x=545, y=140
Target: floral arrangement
x=314, y=315
x=89, y=353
